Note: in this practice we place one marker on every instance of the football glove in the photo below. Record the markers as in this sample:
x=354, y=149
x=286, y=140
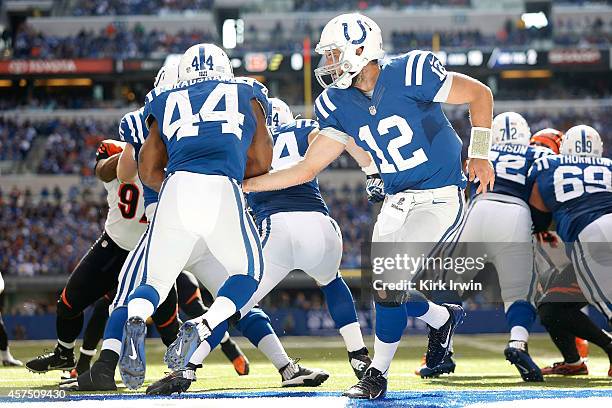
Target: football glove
x=108, y=148
x=375, y=188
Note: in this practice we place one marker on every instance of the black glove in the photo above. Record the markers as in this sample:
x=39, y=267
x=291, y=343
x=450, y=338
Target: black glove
x=375, y=188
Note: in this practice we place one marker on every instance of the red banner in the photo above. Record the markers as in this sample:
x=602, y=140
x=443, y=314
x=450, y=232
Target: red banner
x=60, y=66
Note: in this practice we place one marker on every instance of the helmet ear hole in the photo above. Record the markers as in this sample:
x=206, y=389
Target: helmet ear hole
x=359, y=51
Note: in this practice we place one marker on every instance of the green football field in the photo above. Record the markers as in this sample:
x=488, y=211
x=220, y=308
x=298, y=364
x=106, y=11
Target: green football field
x=480, y=365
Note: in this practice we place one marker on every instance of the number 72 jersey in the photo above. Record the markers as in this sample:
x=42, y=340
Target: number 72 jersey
x=402, y=125
x=577, y=190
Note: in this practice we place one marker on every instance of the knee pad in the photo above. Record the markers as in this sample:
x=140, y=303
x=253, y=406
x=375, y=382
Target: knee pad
x=255, y=325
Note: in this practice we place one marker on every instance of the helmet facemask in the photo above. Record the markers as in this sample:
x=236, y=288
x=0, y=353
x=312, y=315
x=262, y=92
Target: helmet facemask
x=341, y=71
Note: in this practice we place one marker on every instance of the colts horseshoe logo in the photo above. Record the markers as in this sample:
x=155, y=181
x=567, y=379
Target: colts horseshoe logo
x=363, y=34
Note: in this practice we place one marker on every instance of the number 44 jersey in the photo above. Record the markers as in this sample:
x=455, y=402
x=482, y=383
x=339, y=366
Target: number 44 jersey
x=577, y=190
x=402, y=125
x=207, y=125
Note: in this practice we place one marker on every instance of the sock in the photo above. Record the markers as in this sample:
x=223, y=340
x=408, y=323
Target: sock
x=340, y=302
x=351, y=333
x=435, y=316
x=520, y=313
x=113, y=345
x=272, y=348
x=66, y=346
x=519, y=333
x=222, y=309
x=575, y=363
x=209, y=344
x=383, y=355
x=225, y=338
x=143, y=302
x=238, y=289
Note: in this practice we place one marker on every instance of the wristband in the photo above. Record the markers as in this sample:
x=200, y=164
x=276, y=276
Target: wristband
x=480, y=143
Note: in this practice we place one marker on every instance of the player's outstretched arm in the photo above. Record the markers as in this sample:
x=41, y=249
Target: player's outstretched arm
x=322, y=151
x=465, y=89
x=152, y=159
x=259, y=155
x=127, y=168
x=107, y=157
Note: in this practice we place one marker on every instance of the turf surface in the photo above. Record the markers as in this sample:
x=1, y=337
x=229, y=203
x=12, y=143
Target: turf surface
x=480, y=365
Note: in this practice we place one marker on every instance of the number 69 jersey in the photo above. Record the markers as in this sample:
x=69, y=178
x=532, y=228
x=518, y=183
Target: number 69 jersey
x=402, y=125
x=207, y=125
x=577, y=190
x=511, y=163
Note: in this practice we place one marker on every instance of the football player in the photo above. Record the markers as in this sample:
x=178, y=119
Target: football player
x=394, y=113
x=575, y=189
x=5, y=354
x=97, y=272
x=509, y=245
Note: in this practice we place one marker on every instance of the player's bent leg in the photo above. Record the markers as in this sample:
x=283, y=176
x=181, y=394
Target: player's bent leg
x=6, y=357
x=166, y=318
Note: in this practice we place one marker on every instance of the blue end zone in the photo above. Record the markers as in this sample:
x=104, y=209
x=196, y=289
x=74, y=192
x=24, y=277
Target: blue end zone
x=414, y=399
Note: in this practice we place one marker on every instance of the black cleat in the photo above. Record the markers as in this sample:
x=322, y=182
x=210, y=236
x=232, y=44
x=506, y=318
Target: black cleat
x=517, y=353
x=372, y=386
x=446, y=367
x=175, y=382
x=440, y=339
x=100, y=377
x=360, y=361
x=60, y=359
x=294, y=375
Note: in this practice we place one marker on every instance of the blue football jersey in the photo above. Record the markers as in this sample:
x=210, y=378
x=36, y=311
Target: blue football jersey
x=402, y=125
x=511, y=163
x=132, y=130
x=207, y=125
x=290, y=145
x=577, y=190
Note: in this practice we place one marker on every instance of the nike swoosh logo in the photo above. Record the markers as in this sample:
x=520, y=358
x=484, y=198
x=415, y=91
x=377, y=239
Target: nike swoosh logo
x=445, y=344
x=178, y=351
x=133, y=356
x=377, y=395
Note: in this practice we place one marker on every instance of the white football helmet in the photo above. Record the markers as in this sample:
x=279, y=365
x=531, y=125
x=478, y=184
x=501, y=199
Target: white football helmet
x=510, y=127
x=582, y=140
x=204, y=61
x=167, y=75
x=347, y=33
x=280, y=113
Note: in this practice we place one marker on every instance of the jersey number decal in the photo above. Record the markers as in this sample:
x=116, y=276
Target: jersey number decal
x=128, y=200
x=595, y=179
x=508, y=165
x=185, y=125
x=405, y=137
x=286, y=151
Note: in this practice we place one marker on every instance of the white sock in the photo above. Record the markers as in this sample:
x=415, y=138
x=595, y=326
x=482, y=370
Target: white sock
x=383, y=355
x=272, y=348
x=66, y=345
x=576, y=363
x=200, y=354
x=112, y=345
x=225, y=337
x=88, y=352
x=351, y=333
x=140, y=307
x=435, y=316
x=519, y=333
x=221, y=310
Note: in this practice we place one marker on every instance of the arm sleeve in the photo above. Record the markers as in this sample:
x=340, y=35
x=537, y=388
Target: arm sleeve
x=426, y=77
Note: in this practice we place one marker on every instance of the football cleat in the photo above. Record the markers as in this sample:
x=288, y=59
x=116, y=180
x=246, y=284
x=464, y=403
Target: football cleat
x=187, y=341
x=100, y=377
x=446, y=367
x=360, y=361
x=58, y=359
x=373, y=385
x=562, y=368
x=8, y=360
x=175, y=382
x=236, y=356
x=583, y=347
x=294, y=375
x=440, y=339
x=132, y=364
x=517, y=353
